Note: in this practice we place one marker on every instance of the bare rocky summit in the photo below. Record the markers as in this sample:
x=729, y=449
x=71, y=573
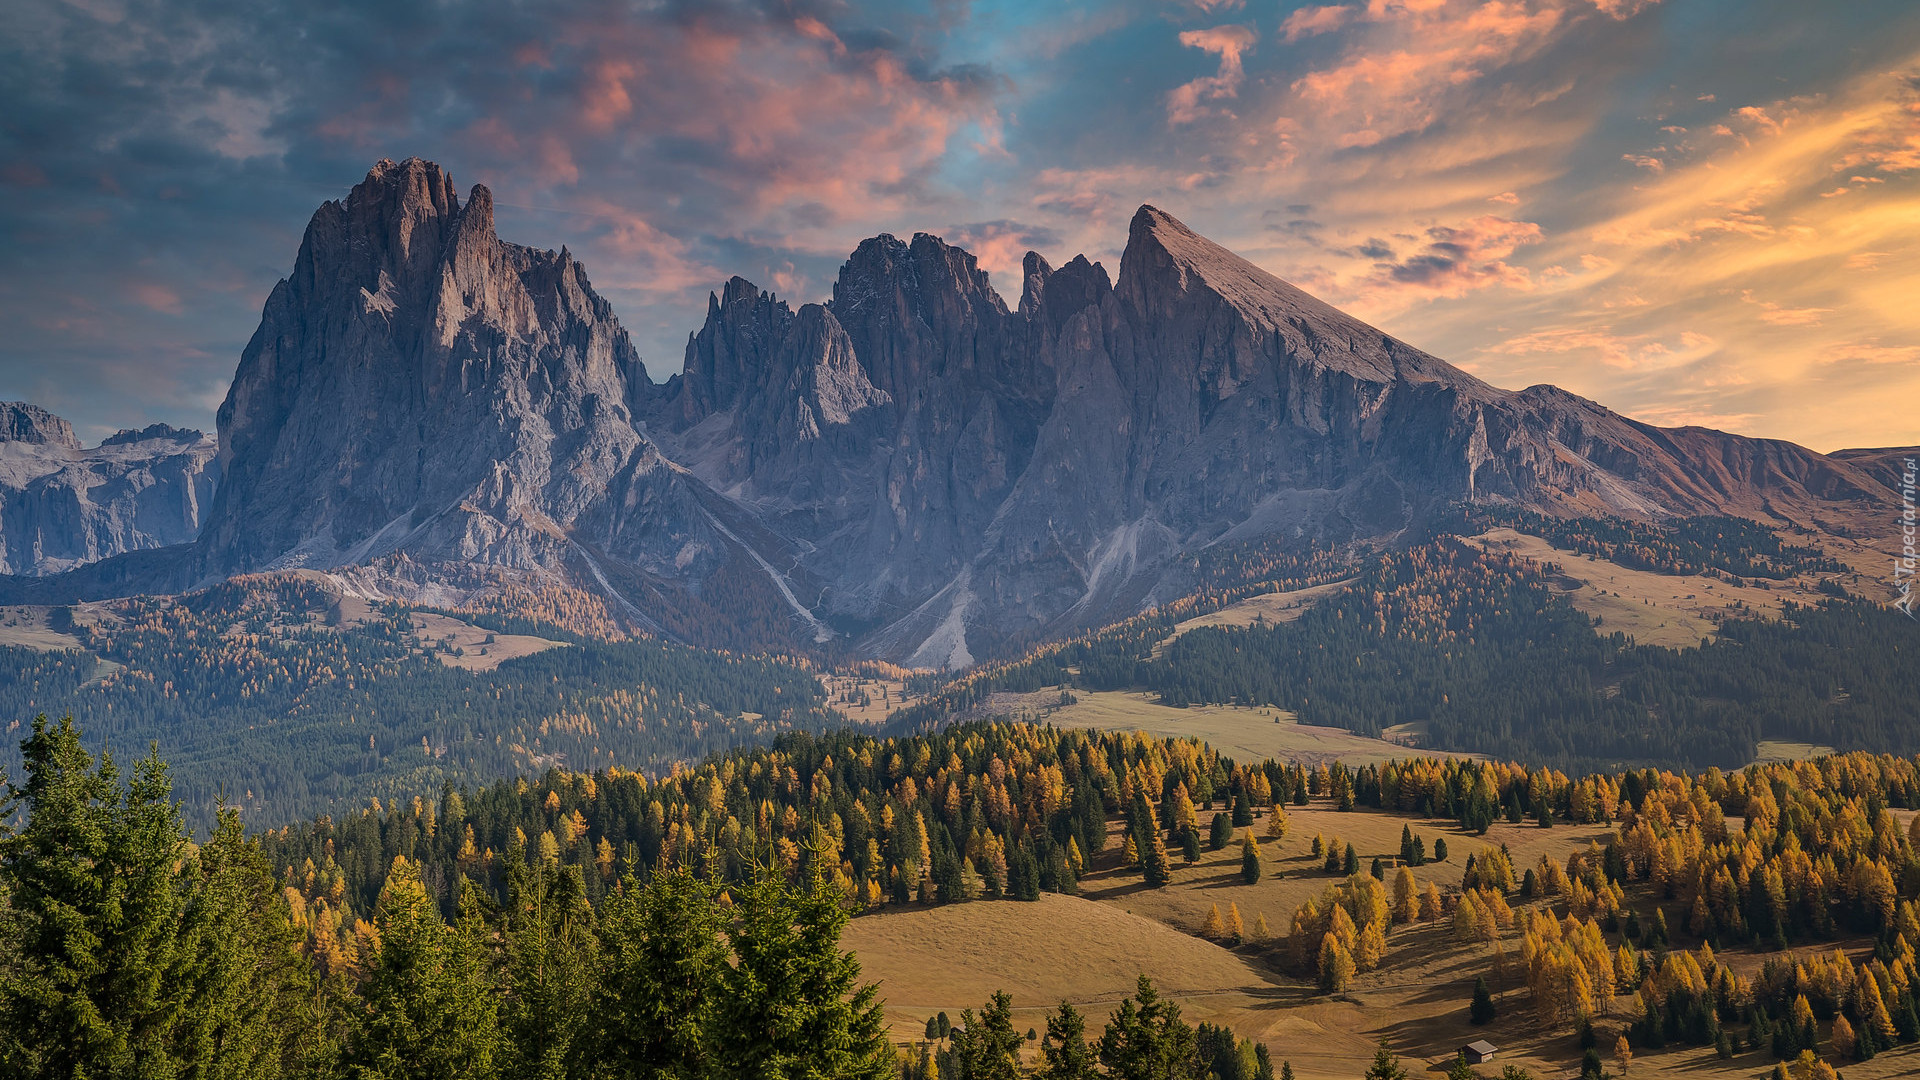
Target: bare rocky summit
x=63, y=505
x=912, y=469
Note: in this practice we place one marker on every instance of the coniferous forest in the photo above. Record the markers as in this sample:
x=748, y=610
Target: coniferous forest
x=262, y=695
x=605, y=925
x=1479, y=650
x=267, y=697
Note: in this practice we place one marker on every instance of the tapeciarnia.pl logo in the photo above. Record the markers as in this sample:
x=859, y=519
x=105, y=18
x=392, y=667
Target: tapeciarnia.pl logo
x=1904, y=565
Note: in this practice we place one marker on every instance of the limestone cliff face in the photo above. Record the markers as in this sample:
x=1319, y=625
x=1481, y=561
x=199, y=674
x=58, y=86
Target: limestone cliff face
x=418, y=384
x=63, y=505
x=911, y=470
x=1041, y=466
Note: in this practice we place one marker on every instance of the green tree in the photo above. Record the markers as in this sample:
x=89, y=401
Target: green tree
x=1250, y=868
x=428, y=1011
x=254, y=1011
x=1064, y=1053
x=986, y=1046
x=791, y=1005
x=96, y=893
x=1483, y=1010
x=1219, y=832
x=660, y=965
x=1154, y=863
x=1458, y=1069
x=547, y=928
x=1386, y=1064
x=1146, y=1039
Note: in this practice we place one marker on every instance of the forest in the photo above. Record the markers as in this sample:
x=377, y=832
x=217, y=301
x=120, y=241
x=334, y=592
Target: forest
x=266, y=695
x=1479, y=652
x=591, y=924
x=262, y=693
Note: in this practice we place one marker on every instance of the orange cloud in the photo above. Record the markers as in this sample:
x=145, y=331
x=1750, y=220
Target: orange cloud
x=1229, y=43
x=1309, y=21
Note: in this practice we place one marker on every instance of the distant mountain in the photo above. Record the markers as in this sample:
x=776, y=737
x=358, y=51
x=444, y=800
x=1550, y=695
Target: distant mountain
x=912, y=470
x=63, y=505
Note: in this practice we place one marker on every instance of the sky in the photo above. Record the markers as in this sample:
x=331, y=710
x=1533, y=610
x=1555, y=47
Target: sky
x=1692, y=211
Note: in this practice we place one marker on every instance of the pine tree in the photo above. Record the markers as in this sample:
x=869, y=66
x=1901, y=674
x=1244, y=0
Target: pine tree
x=1064, y=1053
x=1250, y=863
x=1351, y=864
x=96, y=895
x=1483, y=1010
x=660, y=964
x=987, y=1047
x=430, y=1013
x=1157, y=868
x=791, y=1003
x=1147, y=1040
x=1439, y=849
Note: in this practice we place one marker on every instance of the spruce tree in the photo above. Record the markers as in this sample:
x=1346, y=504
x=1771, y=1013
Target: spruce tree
x=550, y=949
x=1219, y=832
x=791, y=1004
x=1483, y=1010
x=430, y=1012
x=252, y=1010
x=1386, y=1064
x=1064, y=1053
x=1155, y=865
x=1147, y=1040
x=1250, y=865
x=96, y=896
x=987, y=1047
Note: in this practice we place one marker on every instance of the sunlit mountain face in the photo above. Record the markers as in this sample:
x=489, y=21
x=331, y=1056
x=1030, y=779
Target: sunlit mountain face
x=1696, y=213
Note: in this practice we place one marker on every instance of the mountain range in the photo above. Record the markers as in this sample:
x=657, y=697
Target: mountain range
x=913, y=470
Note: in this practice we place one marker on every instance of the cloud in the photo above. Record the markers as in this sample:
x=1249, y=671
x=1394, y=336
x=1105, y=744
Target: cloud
x=160, y=161
x=1869, y=352
x=1310, y=21
x=1394, y=79
x=1228, y=43
x=1775, y=315
x=1457, y=259
x=1000, y=246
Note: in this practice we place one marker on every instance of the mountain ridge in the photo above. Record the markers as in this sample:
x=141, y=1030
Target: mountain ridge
x=911, y=470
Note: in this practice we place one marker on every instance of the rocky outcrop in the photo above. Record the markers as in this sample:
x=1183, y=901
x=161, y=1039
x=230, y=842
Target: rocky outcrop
x=64, y=506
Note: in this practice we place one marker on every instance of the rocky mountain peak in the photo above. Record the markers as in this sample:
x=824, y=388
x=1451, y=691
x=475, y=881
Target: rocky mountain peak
x=21, y=422
x=167, y=432
x=416, y=382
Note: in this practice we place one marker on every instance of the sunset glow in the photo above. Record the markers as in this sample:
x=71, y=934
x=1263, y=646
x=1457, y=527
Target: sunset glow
x=1692, y=212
